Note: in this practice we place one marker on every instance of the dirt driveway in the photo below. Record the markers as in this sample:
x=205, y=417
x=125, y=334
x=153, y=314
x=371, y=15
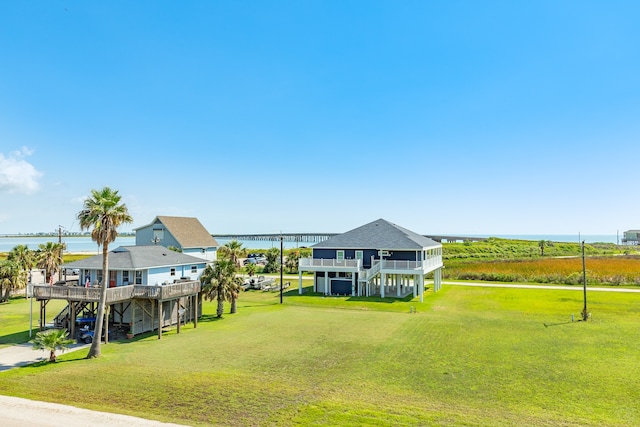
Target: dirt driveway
x=17, y=412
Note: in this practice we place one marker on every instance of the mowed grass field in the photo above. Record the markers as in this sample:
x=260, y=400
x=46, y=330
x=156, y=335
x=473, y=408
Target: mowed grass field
x=467, y=357
x=14, y=319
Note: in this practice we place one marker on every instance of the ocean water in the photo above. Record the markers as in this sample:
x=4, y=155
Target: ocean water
x=86, y=245
x=74, y=244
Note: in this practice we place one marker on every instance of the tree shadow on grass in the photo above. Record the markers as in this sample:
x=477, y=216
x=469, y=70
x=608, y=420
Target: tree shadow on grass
x=546, y=325
x=307, y=292
x=16, y=338
x=210, y=318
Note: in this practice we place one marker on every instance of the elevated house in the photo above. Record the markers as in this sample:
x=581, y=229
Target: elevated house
x=149, y=287
x=186, y=234
x=631, y=237
x=379, y=258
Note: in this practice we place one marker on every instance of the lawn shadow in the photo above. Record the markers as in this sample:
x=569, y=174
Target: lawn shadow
x=390, y=299
x=16, y=338
x=546, y=325
x=210, y=318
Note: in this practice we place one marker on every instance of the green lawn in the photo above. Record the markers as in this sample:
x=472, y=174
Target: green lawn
x=14, y=319
x=468, y=357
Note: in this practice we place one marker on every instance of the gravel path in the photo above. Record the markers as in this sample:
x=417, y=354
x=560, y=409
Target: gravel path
x=17, y=412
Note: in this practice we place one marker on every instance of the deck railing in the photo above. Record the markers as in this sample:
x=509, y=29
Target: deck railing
x=334, y=263
x=179, y=289
x=411, y=265
x=66, y=292
x=120, y=293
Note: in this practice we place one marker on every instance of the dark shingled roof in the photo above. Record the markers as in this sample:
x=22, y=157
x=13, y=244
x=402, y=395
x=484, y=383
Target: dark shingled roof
x=137, y=258
x=379, y=234
x=189, y=232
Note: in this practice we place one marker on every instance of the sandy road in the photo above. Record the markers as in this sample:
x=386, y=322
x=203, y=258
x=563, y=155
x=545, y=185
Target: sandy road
x=17, y=412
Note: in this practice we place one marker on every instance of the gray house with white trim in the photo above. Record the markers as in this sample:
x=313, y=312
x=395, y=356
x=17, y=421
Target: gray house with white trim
x=379, y=258
x=140, y=265
x=149, y=287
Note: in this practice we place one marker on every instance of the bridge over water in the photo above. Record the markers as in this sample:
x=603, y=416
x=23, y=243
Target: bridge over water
x=321, y=237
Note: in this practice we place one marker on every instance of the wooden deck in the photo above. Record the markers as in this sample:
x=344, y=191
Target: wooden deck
x=118, y=294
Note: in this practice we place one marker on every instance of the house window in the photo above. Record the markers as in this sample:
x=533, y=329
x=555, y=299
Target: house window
x=158, y=235
x=194, y=269
x=173, y=271
x=138, y=277
x=125, y=277
x=100, y=277
x=340, y=255
x=359, y=255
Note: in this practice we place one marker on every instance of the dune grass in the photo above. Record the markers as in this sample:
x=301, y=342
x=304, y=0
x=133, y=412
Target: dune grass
x=469, y=356
x=613, y=270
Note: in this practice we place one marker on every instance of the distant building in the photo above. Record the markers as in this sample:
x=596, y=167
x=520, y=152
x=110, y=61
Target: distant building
x=186, y=234
x=631, y=237
x=379, y=258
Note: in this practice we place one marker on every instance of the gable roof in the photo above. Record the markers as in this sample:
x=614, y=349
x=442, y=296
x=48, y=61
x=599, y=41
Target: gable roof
x=379, y=234
x=137, y=258
x=189, y=232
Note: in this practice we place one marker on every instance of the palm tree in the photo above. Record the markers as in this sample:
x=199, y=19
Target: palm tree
x=250, y=269
x=9, y=273
x=232, y=250
x=50, y=257
x=273, y=260
x=543, y=244
x=232, y=294
x=219, y=282
x=52, y=340
x=25, y=260
x=103, y=213
x=292, y=261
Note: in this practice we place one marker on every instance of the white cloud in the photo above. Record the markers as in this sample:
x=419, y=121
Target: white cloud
x=16, y=174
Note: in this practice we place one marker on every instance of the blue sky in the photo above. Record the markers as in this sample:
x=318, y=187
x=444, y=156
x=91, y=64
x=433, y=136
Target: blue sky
x=461, y=117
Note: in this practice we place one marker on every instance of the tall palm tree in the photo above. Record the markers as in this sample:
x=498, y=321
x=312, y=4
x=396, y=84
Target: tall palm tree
x=218, y=282
x=232, y=250
x=25, y=260
x=103, y=213
x=52, y=340
x=49, y=257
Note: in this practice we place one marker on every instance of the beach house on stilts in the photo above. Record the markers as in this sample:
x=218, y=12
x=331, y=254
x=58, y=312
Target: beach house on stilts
x=151, y=285
x=379, y=258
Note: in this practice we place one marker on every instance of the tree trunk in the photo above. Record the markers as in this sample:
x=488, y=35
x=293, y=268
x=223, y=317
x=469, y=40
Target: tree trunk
x=220, y=306
x=52, y=356
x=233, y=306
x=94, y=351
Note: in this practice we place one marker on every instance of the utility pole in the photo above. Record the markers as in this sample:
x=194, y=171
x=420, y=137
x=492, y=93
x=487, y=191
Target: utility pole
x=585, y=315
x=281, y=266
x=60, y=253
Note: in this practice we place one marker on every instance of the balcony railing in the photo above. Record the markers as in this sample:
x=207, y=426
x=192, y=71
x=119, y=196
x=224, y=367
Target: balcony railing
x=333, y=263
x=121, y=293
x=435, y=261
